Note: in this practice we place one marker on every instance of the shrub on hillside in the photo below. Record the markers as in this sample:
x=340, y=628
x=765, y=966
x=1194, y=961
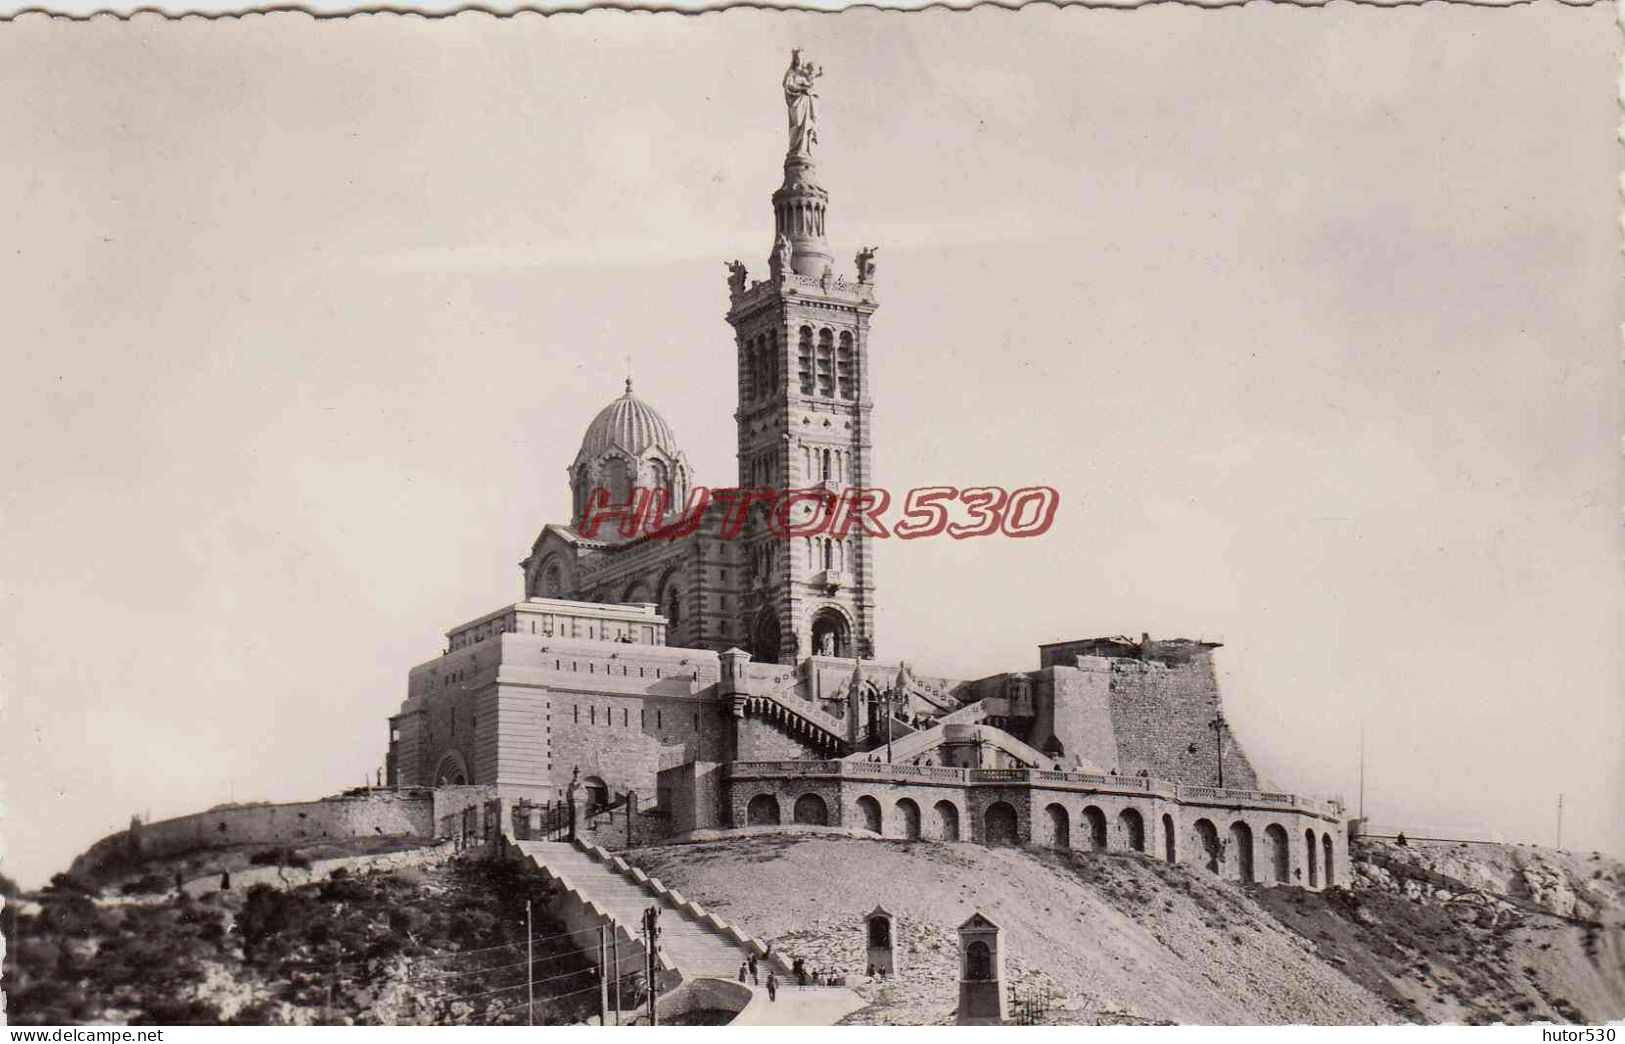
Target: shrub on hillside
x=280, y=857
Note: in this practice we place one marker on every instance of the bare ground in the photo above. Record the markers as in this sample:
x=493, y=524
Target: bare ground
x=1122, y=936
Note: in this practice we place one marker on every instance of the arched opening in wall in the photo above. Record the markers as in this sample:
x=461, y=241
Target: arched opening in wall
x=999, y=824
x=1241, y=841
x=869, y=814
x=636, y=591
x=1311, y=864
x=451, y=772
x=619, y=479
x=810, y=810
x=1207, y=837
x=549, y=580
x=947, y=820
x=597, y=792
x=1133, y=826
x=671, y=605
x=1280, y=855
x=1326, y=863
x=908, y=815
x=1094, y=820
x=763, y=810
x=978, y=962
x=1060, y=827
x=1169, y=851
x=765, y=638
x=830, y=634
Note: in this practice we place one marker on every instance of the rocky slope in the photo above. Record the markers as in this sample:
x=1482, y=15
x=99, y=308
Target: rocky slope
x=1473, y=934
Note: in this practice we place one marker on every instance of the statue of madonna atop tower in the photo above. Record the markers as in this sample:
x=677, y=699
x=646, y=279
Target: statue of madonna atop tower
x=802, y=101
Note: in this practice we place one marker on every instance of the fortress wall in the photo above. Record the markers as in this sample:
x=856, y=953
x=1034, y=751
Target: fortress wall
x=1079, y=705
x=1160, y=711
x=627, y=740
x=380, y=814
x=523, y=722
x=1157, y=818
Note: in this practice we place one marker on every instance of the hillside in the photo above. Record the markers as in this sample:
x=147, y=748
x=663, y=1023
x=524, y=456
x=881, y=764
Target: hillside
x=1443, y=935
x=1431, y=933
x=438, y=944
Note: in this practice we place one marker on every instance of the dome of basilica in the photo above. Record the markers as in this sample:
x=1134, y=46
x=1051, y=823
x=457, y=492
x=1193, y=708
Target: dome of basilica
x=630, y=425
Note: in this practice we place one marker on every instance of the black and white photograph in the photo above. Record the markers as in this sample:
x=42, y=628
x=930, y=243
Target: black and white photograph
x=993, y=517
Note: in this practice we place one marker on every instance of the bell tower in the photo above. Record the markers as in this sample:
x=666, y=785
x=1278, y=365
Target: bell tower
x=803, y=416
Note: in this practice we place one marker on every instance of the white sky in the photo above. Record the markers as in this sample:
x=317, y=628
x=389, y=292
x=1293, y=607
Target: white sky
x=1309, y=315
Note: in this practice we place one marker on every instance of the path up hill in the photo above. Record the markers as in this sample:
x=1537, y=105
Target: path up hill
x=1117, y=937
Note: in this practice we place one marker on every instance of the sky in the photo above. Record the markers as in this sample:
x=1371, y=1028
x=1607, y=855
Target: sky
x=1311, y=317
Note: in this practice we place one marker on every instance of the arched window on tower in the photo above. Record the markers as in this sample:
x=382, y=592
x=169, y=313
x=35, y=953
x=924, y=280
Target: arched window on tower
x=804, y=354
x=843, y=367
x=618, y=479
x=826, y=364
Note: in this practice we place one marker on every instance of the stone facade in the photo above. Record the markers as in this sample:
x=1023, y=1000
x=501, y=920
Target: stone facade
x=1242, y=835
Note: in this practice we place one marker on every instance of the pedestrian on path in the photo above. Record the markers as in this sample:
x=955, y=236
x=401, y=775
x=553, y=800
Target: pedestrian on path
x=742, y=970
x=755, y=977
x=772, y=986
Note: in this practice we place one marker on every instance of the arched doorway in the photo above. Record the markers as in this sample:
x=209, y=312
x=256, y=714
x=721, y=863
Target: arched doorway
x=1168, y=851
x=765, y=637
x=830, y=634
x=1095, y=821
x=451, y=772
x=1280, y=854
x=1313, y=868
x=1207, y=838
x=1241, y=841
x=763, y=810
x=1000, y=824
x=908, y=815
x=810, y=810
x=597, y=792
x=869, y=813
x=1060, y=827
x=671, y=604
x=1133, y=826
x=947, y=820
x=1326, y=862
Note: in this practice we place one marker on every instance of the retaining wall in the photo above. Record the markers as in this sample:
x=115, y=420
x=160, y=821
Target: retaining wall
x=385, y=813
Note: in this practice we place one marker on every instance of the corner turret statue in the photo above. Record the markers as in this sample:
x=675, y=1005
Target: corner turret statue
x=802, y=102
x=779, y=263
x=736, y=278
x=866, y=264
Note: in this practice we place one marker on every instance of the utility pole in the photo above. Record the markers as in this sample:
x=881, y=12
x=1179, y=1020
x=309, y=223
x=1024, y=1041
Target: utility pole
x=889, y=711
x=1560, y=821
x=1362, y=770
x=530, y=969
x=651, y=935
x=1217, y=725
x=603, y=975
x=615, y=969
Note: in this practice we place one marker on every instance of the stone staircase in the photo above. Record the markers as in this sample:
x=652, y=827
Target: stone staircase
x=786, y=708
x=918, y=742
x=692, y=941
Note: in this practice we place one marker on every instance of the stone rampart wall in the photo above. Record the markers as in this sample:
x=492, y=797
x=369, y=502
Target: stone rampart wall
x=1258, y=838
x=384, y=813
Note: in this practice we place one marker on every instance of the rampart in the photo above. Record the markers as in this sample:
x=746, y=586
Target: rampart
x=377, y=813
x=1245, y=835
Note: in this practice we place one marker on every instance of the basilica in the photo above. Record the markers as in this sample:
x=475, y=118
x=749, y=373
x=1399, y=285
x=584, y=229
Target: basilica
x=713, y=680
